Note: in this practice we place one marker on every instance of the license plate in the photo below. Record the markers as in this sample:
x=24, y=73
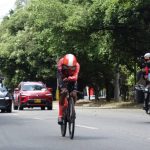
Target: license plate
x=37, y=101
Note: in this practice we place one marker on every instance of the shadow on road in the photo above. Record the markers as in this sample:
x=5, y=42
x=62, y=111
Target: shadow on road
x=148, y=122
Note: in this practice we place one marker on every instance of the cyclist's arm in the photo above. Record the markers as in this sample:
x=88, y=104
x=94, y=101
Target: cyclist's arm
x=59, y=65
x=74, y=77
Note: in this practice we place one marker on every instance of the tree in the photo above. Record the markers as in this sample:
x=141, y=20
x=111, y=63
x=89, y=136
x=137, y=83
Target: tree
x=103, y=32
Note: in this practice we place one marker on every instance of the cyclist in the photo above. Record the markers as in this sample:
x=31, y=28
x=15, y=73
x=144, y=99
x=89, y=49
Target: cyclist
x=142, y=77
x=67, y=71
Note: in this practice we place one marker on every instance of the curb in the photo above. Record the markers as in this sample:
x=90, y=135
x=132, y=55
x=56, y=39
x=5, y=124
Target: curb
x=55, y=103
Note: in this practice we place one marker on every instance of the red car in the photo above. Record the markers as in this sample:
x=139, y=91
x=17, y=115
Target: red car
x=33, y=94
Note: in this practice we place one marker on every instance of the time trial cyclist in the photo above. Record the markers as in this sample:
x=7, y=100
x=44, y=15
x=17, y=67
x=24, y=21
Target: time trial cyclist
x=143, y=77
x=67, y=71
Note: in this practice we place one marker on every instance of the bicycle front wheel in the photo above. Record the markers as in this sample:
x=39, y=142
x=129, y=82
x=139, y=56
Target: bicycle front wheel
x=71, y=121
x=63, y=127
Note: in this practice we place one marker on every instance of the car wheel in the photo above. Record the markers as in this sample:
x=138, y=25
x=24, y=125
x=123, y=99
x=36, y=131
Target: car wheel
x=9, y=110
x=50, y=107
x=42, y=108
x=15, y=107
x=3, y=110
x=20, y=107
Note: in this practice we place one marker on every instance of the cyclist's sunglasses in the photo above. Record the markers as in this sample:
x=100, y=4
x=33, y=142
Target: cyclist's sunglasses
x=68, y=67
x=147, y=60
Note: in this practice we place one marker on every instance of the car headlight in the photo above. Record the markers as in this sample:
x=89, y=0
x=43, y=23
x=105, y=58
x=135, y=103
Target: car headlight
x=7, y=98
x=48, y=94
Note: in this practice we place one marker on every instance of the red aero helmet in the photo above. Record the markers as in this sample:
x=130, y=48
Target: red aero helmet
x=69, y=60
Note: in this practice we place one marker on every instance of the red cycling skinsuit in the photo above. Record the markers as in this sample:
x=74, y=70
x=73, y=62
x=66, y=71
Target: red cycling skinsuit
x=71, y=74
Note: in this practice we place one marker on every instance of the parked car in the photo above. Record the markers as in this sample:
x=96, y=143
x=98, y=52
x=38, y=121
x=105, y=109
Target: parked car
x=33, y=94
x=5, y=99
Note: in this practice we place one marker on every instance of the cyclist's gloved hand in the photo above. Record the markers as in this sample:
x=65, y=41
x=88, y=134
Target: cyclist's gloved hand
x=65, y=79
x=69, y=78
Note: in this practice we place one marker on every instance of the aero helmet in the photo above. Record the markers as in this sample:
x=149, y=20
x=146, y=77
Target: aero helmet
x=147, y=56
x=69, y=60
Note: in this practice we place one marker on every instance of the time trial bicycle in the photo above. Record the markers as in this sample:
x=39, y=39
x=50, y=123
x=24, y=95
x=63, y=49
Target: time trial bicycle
x=69, y=114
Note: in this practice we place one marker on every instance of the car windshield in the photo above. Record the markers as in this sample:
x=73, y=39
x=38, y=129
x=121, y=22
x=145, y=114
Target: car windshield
x=33, y=87
x=3, y=89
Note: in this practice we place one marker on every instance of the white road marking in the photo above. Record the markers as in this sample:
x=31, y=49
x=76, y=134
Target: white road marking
x=87, y=127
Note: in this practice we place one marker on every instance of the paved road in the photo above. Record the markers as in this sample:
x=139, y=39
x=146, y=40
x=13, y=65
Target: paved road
x=96, y=129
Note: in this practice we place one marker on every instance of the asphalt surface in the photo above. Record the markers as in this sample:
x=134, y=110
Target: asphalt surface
x=98, y=129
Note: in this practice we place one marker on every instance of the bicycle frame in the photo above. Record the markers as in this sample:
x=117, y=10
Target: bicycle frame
x=68, y=116
x=146, y=91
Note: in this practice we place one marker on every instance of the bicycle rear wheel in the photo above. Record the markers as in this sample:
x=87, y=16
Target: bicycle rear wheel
x=63, y=127
x=71, y=121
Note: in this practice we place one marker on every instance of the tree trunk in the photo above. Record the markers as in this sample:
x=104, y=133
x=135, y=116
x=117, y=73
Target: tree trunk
x=117, y=87
x=96, y=94
x=108, y=91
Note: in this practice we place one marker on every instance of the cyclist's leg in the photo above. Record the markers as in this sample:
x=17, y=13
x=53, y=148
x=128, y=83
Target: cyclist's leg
x=63, y=93
x=60, y=85
x=145, y=107
x=74, y=93
x=146, y=99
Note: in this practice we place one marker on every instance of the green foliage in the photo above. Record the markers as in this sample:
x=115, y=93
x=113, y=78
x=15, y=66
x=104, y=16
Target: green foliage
x=101, y=33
